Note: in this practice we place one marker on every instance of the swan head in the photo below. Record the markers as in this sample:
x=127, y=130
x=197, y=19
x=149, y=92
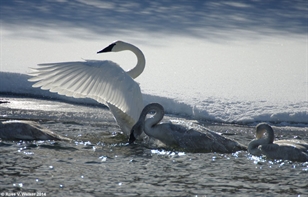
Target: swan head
x=136, y=131
x=116, y=46
x=132, y=138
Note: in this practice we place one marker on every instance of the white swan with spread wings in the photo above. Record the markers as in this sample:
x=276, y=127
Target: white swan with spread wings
x=104, y=81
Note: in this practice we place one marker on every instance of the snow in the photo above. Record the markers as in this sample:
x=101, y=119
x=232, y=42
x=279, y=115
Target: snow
x=236, y=69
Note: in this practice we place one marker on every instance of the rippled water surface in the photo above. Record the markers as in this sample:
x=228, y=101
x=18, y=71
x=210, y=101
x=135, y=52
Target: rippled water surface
x=99, y=162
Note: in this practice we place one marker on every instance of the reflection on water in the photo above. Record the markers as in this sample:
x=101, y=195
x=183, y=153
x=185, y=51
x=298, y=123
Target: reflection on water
x=99, y=162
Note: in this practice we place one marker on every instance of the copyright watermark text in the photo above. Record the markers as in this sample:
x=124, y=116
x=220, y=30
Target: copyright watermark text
x=23, y=194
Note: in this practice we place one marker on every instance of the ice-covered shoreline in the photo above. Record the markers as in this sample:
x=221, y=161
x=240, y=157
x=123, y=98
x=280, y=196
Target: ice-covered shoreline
x=211, y=108
x=230, y=62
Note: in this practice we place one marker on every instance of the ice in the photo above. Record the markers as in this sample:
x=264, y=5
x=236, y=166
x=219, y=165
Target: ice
x=211, y=108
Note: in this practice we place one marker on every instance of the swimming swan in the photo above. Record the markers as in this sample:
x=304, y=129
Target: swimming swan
x=179, y=136
x=294, y=150
x=103, y=81
x=26, y=130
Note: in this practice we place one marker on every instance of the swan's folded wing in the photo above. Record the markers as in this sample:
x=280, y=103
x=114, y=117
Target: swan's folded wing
x=103, y=81
x=284, y=152
x=301, y=145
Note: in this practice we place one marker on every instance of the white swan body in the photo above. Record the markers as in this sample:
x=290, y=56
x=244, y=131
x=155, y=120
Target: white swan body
x=26, y=130
x=179, y=136
x=104, y=81
x=294, y=150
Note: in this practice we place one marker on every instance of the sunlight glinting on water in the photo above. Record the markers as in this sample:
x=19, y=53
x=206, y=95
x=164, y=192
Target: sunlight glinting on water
x=221, y=64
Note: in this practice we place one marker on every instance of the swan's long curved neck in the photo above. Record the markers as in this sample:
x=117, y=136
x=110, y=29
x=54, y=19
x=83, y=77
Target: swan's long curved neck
x=253, y=145
x=138, y=69
x=150, y=122
x=261, y=129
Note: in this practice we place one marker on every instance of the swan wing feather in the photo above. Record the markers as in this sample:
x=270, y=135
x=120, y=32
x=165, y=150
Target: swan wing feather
x=103, y=81
x=301, y=145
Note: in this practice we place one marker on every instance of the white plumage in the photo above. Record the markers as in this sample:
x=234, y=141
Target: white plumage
x=104, y=81
x=294, y=150
x=179, y=136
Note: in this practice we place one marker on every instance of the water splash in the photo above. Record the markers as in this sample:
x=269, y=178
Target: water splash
x=170, y=153
x=103, y=158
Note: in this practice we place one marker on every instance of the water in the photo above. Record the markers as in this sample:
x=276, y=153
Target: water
x=99, y=161
x=224, y=65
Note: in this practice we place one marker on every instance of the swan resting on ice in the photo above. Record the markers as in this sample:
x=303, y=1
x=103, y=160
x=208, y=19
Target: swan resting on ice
x=26, y=130
x=293, y=150
x=103, y=81
x=180, y=137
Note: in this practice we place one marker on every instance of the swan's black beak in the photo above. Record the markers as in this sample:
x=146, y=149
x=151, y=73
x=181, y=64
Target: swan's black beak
x=131, y=137
x=107, y=49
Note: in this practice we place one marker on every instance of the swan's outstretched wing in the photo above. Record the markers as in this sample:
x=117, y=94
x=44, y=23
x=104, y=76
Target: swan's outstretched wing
x=104, y=81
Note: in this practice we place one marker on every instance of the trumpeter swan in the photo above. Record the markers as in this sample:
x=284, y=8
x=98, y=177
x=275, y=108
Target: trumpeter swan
x=179, y=136
x=104, y=81
x=26, y=130
x=294, y=150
